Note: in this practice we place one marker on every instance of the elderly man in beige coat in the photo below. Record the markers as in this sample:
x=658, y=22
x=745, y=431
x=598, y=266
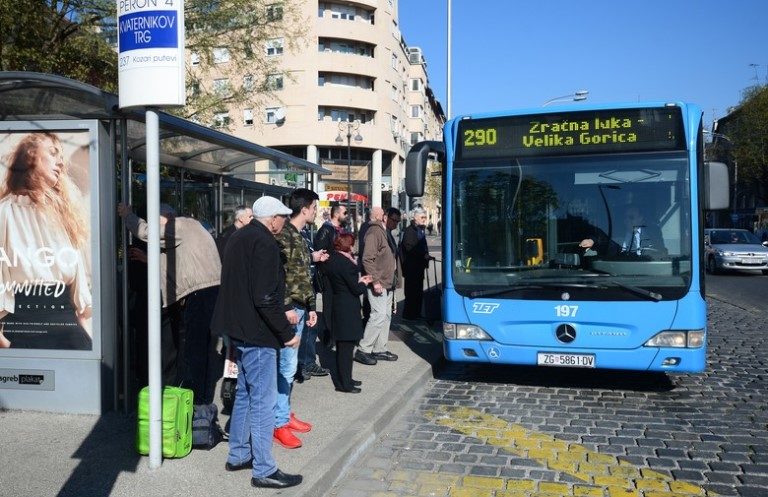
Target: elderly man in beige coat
x=190, y=272
x=380, y=262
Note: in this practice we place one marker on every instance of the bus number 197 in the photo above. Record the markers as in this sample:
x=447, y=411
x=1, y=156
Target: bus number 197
x=566, y=311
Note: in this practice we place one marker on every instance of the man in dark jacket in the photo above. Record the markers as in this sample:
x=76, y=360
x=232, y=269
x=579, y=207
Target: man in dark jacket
x=250, y=310
x=243, y=216
x=415, y=257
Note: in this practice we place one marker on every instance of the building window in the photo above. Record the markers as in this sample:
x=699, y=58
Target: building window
x=415, y=138
x=248, y=82
x=415, y=84
x=275, y=12
x=393, y=93
x=194, y=58
x=273, y=114
x=221, y=86
x=275, y=82
x=416, y=110
x=248, y=117
x=394, y=61
x=220, y=55
x=274, y=47
x=220, y=119
x=342, y=114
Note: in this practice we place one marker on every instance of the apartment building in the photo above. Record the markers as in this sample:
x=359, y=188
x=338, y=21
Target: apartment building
x=353, y=99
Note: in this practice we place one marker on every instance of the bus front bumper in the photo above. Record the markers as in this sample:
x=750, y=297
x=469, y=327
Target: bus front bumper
x=669, y=359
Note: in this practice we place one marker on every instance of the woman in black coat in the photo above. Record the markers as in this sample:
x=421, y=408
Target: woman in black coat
x=347, y=285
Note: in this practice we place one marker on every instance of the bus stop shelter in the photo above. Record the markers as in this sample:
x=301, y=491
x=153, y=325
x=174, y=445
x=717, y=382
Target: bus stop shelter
x=101, y=143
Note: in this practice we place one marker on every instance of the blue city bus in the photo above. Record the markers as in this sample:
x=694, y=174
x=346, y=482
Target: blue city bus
x=573, y=236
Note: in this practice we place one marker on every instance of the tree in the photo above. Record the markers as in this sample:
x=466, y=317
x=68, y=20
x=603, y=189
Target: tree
x=64, y=37
x=248, y=34
x=749, y=133
x=75, y=38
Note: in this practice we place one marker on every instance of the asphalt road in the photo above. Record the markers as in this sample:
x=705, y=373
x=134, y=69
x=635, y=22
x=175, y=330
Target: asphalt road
x=745, y=289
x=527, y=431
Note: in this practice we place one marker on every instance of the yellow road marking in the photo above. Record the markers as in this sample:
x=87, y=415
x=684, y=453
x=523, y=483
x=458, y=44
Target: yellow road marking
x=618, y=478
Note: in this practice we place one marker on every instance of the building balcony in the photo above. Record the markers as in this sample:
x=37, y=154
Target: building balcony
x=347, y=96
x=329, y=61
x=347, y=30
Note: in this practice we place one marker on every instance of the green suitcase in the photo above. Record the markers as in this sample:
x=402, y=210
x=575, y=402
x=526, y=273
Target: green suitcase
x=176, y=421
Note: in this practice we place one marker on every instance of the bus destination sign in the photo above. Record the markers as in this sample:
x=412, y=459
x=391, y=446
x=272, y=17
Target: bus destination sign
x=572, y=133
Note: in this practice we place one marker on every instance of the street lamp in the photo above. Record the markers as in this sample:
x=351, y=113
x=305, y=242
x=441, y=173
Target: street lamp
x=577, y=96
x=349, y=128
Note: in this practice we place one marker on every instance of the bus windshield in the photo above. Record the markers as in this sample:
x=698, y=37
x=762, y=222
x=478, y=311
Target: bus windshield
x=599, y=227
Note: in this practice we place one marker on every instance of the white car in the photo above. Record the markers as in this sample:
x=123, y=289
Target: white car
x=734, y=249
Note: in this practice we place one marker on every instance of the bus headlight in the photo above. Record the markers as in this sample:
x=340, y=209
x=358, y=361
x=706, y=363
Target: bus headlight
x=691, y=339
x=464, y=332
x=695, y=339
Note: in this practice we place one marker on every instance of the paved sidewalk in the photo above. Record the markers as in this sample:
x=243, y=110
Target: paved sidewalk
x=62, y=455
x=46, y=454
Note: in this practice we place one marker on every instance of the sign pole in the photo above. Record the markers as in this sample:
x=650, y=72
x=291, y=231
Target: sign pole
x=151, y=74
x=153, y=289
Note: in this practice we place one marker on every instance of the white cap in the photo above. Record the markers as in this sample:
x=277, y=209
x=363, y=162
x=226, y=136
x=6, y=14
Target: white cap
x=268, y=207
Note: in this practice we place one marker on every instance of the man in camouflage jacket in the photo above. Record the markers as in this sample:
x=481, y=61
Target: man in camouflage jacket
x=299, y=308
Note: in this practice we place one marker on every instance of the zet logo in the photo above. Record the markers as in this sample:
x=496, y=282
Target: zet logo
x=484, y=307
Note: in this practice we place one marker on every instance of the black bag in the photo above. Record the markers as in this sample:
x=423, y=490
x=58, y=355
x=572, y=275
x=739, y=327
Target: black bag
x=433, y=297
x=206, y=432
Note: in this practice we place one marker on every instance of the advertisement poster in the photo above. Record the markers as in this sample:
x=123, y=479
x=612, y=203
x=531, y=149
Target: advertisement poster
x=45, y=267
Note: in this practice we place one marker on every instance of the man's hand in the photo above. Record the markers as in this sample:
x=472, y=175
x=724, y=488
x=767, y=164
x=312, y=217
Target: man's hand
x=320, y=256
x=378, y=289
x=587, y=243
x=312, y=319
x=123, y=209
x=292, y=316
x=136, y=254
x=293, y=342
x=365, y=280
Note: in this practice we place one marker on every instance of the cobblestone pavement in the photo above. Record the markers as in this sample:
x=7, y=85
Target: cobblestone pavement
x=523, y=431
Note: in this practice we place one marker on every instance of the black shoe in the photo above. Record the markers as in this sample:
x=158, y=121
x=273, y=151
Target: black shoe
x=348, y=390
x=316, y=370
x=356, y=383
x=278, y=479
x=385, y=356
x=363, y=358
x=238, y=467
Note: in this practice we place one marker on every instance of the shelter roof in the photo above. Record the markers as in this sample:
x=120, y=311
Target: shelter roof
x=29, y=96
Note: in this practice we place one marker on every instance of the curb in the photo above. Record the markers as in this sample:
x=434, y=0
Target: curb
x=325, y=469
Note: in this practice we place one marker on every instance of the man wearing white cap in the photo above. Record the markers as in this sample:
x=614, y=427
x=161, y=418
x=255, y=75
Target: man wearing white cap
x=251, y=312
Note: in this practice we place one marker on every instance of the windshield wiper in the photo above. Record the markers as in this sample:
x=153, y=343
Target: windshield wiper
x=490, y=292
x=630, y=288
x=637, y=290
x=539, y=285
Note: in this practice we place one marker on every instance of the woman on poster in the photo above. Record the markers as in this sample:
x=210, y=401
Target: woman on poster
x=45, y=296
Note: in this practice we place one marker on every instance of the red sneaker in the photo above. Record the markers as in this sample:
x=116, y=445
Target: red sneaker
x=298, y=425
x=286, y=438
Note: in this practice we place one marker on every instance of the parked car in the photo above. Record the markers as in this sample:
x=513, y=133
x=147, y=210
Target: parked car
x=734, y=249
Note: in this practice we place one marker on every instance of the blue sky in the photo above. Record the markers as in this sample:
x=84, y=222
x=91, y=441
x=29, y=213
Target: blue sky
x=510, y=54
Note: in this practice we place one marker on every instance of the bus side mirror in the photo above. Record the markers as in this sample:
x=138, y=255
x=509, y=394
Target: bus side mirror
x=416, y=165
x=716, y=186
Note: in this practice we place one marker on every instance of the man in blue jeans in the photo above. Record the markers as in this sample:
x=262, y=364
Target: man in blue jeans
x=299, y=309
x=250, y=310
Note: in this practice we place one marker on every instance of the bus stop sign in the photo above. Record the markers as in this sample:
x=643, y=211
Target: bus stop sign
x=151, y=53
